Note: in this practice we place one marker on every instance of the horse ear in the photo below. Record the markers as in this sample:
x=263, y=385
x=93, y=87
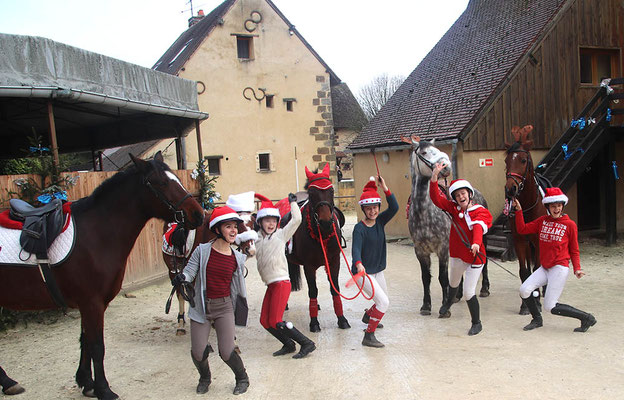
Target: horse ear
x=433, y=142
x=326, y=169
x=159, y=157
x=140, y=164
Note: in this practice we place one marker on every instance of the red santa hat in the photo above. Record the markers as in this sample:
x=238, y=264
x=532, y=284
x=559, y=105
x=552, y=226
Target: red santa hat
x=223, y=214
x=554, y=195
x=320, y=180
x=267, y=209
x=460, y=184
x=369, y=193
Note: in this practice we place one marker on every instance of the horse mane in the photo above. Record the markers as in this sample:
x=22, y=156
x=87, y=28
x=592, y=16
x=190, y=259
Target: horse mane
x=108, y=185
x=514, y=147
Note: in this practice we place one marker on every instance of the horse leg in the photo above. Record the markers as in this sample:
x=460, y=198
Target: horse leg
x=93, y=325
x=9, y=386
x=522, y=247
x=84, y=375
x=425, y=271
x=485, y=282
x=181, y=321
x=443, y=278
x=342, y=321
x=310, y=274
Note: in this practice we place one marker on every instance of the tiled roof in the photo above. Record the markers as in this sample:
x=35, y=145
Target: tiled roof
x=461, y=73
x=347, y=112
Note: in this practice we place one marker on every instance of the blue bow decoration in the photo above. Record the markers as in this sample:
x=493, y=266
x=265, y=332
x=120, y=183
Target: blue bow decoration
x=61, y=195
x=615, y=171
x=608, y=115
x=566, y=154
x=40, y=149
x=580, y=123
x=45, y=198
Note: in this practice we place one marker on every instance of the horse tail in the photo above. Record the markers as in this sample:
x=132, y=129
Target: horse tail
x=295, y=276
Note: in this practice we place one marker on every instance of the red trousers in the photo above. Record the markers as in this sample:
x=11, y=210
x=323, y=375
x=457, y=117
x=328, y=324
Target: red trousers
x=274, y=303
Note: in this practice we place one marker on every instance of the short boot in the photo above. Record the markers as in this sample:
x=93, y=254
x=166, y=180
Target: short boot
x=473, y=307
x=9, y=386
x=371, y=341
x=366, y=318
x=587, y=320
x=204, y=372
x=307, y=345
x=288, y=344
x=537, y=321
x=242, y=379
x=445, y=310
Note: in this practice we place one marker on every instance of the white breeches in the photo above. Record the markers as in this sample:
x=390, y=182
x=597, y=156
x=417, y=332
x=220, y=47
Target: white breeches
x=470, y=272
x=555, y=277
x=381, y=291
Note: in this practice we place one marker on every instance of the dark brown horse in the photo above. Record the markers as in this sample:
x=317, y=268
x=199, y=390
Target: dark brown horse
x=522, y=184
x=320, y=222
x=203, y=234
x=107, y=225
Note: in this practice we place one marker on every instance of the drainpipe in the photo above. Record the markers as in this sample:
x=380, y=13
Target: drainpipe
x=454, y=159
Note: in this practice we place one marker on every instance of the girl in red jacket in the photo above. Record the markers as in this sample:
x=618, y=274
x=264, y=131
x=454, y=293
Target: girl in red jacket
x=466, y=250
x=558, y=243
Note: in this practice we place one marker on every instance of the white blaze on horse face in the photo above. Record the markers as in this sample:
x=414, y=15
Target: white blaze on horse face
x=246, y=217
x=433, y=155
x=174, y=178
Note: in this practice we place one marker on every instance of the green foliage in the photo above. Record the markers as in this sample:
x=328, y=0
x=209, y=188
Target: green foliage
x=9, y=318
x=207, y=193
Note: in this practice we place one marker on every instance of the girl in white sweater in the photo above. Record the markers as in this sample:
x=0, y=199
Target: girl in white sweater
x=273, y=269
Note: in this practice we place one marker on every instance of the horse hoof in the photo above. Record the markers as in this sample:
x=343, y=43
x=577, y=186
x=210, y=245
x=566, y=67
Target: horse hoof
x=343, y=323
x=88, y=392
x=484, y=292
x=315, y=328
x=445, y=315
x=180, y=332
x=425, y=309
x=15, y=389
x=456, y=299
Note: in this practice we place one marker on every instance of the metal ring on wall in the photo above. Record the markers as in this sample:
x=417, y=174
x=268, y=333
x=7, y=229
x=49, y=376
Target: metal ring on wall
x=253, y=20
x=203, y=87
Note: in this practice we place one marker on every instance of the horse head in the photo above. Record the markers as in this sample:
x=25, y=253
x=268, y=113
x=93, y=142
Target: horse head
x=321, y=197
x=518, y=162
x=170, y=200
x=246, y=234
x=425, y=155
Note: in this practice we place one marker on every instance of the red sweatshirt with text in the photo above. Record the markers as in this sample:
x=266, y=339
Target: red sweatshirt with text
x=558, y=239
x=474, y=223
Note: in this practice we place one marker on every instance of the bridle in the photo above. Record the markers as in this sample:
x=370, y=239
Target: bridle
x=178, y=214
x=520, y=180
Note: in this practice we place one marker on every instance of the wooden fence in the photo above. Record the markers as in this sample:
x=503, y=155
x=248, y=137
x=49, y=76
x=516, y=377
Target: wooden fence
x=145, y=263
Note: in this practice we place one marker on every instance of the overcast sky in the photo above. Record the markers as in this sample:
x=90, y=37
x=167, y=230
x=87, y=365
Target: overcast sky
x=358, y=39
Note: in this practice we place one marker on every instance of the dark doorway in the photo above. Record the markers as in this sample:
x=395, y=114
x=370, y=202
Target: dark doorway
x=590, y=197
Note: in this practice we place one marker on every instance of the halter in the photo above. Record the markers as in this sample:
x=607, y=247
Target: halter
x=178, y=214
x=519, y=180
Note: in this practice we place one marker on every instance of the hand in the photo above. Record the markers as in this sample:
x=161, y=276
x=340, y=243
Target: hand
x=178, y=279
x=579, y=273
x=292, y=198
x=516, y=205
x=474, y=249
x=382, y=183
x=439, y=166
x=360, y=267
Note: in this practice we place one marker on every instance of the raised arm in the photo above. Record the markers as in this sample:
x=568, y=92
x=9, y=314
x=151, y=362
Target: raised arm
x=295, y=220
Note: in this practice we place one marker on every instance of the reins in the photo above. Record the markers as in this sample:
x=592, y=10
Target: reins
x=514, y=176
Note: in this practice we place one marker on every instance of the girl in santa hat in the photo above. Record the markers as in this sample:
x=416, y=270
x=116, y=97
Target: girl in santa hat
x=220, y=298
x=273, y=269
x=558, y=243
x=369, y=254
x=469, y=222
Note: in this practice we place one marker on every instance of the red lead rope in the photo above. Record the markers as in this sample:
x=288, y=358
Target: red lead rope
x=348, y=267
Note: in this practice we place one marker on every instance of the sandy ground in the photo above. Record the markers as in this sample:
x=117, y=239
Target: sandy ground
x=424, y=357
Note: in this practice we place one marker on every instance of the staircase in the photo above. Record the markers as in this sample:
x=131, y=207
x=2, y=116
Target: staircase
x=564, y=172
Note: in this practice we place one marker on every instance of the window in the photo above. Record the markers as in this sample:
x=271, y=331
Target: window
x=597, y=64
x=289, y=104
x=244, y=47
x=269, y=101
x=264, y=162
x=214, y=165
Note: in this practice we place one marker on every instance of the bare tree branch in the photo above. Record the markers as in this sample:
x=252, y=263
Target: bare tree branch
x=375, y=94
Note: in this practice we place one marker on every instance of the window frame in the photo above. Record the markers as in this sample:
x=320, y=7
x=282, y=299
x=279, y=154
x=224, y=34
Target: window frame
x=594, y=52
x=213, y=158
x=250, y=46
x=271, y=161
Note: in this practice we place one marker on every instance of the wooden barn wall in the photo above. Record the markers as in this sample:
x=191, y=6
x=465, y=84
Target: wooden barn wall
x=145, y=263
x=546, y=92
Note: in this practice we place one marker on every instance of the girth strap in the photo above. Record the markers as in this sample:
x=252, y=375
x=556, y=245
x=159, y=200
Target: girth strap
x=51, y=285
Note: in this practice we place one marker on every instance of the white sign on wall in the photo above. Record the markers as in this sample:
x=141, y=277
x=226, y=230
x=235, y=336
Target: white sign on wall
x=486, y=162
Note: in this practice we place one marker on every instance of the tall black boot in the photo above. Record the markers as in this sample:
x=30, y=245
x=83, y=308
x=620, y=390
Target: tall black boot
x=242, y=379
x=587, y=320
x=445, y=310
x=537, y=321
x=473, y=307
x=9, y=386
x=307, y=345
x=288, y=344
x=204, y=371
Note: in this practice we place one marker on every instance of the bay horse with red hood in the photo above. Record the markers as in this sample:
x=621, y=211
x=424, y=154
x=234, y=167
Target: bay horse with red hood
x=106, y=225
x=522, y=184
x=321, y=222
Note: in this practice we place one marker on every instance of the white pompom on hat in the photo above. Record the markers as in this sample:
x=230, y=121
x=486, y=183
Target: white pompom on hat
x=369, y=194
x=221, y=214
x=554, y=195
x=460, y=184
x=242, y=202
x=267, y=209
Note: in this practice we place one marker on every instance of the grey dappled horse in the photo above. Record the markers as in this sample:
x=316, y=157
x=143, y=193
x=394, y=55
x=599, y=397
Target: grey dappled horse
x=429, y=226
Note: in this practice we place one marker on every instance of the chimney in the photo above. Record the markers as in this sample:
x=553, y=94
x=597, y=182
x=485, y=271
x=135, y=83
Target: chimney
x=193, y=20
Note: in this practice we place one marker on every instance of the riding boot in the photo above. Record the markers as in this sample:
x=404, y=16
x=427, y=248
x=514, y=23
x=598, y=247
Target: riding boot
x=537, y=321
x=473, y=307
x=587, y=320
x=371, y=341
x=366, y=318
x=236, y=365
x=445, y=310
x=204, y=371
x=307, y=345
x=9, y=386
x=288, y=344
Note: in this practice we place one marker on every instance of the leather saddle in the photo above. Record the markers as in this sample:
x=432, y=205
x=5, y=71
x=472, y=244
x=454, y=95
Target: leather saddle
x=41, y=225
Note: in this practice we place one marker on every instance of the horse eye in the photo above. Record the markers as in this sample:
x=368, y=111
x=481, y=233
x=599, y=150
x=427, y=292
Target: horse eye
x=524, y=161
